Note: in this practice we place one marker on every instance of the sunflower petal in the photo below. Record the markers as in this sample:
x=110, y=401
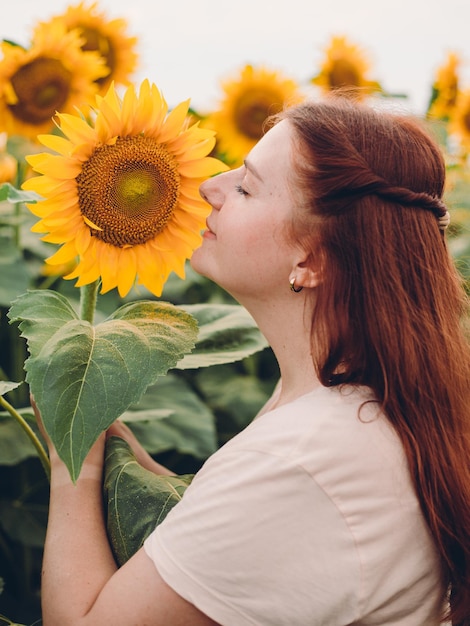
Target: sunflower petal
x=174, y=121
x=193, y=135
x=152, y=274
x=45, y=163
x=85, y=275
x=44, y=186
x=202, y=168
x=108, y=119
x=127, y=271
x=57, y=144
x=108, y=263
x=65, y=254
x=76, y=129
x=200, y=150
x=191, y=188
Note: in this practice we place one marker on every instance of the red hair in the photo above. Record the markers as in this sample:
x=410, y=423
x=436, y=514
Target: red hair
x=389, y=310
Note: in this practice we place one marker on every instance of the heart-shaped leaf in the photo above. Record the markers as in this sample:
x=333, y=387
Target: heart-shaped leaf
x=83, y=377
x=136, y=499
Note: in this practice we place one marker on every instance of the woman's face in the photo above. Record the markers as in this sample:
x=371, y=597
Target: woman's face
x=245, y=247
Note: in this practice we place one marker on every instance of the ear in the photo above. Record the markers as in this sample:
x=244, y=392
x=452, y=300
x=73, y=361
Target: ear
x=308, y=271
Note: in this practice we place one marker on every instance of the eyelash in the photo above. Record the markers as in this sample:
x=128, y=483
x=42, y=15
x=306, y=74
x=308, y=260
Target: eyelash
x=240, y=189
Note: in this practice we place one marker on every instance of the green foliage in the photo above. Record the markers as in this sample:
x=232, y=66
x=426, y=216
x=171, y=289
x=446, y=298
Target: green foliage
x=12, y=194
x=15, y=274
x=458, y=198
x=173, y=416
x=227, y=333
x=14, y=446
x=137, y=500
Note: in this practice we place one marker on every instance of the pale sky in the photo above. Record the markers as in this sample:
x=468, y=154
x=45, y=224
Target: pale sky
x=187, y=47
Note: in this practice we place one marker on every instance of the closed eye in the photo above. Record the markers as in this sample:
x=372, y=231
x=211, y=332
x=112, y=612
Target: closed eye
x=240, y=190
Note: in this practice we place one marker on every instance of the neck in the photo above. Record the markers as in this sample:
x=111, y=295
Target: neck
x=287, y=328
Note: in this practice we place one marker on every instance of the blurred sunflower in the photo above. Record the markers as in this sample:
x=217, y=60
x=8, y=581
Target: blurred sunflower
x=53, y=75
x=445, y=89
x=122, y=193
x=345, y=67
x=459, y=120
x=107, y=37
x=248, y=100
x=57, y=271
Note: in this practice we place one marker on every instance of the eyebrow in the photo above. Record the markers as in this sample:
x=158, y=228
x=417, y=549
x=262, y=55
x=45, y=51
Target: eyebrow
x=252, y=169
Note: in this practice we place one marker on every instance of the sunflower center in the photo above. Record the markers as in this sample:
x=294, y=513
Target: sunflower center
x=343, y=74
x=129, y=190
x=252, y=109
x=42, y=88
x=95, y=41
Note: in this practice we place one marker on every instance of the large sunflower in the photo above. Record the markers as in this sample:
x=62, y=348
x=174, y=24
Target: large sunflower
x=345, y=67
x=445, y=88
x=248, y=100
x=54, y=74
x=107, y=37
x=122, y=193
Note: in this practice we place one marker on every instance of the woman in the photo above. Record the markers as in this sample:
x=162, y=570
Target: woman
x=347, y=499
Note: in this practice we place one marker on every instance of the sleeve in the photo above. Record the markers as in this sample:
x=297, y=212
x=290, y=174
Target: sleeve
x=256, y=541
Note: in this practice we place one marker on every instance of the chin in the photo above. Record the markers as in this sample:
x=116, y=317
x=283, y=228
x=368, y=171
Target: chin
x=197, y=262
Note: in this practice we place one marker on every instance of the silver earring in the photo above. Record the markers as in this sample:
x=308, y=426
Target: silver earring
x=293, y=287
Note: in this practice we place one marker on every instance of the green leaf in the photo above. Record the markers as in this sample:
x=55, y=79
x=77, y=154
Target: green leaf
x=6, y=386
x=15, y=446
x=136, y=499
x=12, y=194
x=41, y=313
x=84, y=377
x=15, y=277
x=189, y=429
x=227, y=333
x=24, y=522
x=236, y=398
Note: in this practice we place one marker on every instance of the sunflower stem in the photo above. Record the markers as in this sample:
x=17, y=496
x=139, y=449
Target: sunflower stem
x=30, y=433
x=88, y=298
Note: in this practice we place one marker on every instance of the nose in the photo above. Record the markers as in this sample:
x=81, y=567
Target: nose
x=211, y=191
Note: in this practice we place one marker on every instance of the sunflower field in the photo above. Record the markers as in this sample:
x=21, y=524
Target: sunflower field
x=101, y=316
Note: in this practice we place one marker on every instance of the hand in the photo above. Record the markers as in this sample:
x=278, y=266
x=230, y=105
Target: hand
x=119, y=429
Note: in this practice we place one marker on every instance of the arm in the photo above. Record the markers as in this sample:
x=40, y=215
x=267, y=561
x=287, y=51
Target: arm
x=81, y=584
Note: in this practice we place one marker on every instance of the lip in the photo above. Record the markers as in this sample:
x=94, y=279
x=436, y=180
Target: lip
x=209, y=233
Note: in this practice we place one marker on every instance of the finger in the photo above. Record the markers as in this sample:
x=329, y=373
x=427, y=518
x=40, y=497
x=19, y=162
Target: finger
x=119, y=429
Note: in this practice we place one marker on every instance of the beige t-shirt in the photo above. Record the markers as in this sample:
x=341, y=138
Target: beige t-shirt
x=306, y=518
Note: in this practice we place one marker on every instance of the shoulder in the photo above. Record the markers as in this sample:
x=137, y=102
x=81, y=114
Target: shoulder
x=332, y=437
x=319, y=421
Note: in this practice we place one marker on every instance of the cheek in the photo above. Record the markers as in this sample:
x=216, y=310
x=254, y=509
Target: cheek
x=243, y=250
